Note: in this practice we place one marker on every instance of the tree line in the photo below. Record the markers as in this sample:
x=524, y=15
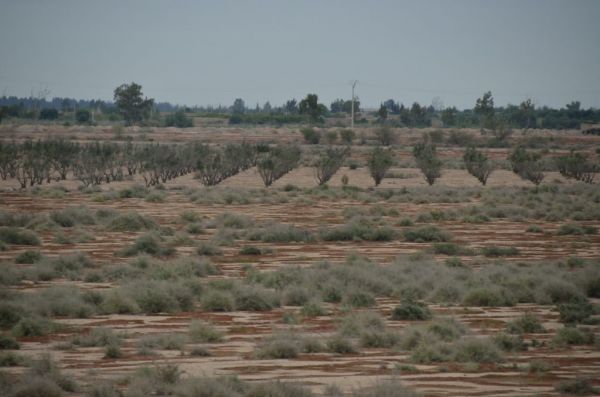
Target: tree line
x=129, y=105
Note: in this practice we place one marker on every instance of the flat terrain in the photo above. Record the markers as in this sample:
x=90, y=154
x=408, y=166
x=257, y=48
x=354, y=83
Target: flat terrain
x=216, y=227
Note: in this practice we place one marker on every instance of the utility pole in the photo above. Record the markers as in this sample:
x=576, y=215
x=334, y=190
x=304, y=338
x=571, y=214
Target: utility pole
x=352, y=120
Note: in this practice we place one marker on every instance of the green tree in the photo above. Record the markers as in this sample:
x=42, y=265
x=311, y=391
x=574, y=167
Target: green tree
x=239, y=107
x=48, y=114
x=178, y=119
x=379, y=163
x=83, y=116
x=576, y=165
x=484, y=108
x=347, y=136
x=329, y=163
x=311, y=136
x=131, y=104
x=449, y=116
x=427, y=161
x=385, y=135
x=311, y=107
x=477, y=164
x=527, y=113
x=382, y=113
x=527, y=165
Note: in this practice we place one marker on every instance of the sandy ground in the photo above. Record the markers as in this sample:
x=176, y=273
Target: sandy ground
x=244, y=330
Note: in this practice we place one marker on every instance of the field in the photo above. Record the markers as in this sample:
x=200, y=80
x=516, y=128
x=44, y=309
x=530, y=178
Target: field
x=455, y=289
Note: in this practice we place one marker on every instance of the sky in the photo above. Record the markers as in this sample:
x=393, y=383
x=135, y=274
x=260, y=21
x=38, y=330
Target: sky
x=211, y=52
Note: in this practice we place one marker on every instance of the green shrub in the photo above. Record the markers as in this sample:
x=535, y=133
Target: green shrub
x=11, y=359
x=113, y=351
x=159, y=296
x=71, y=216
x=357, y=323
x=38, y=387
x=104, y=390
x=202, y=332
x=44, y=366
x=525, y=324
x=168, y=341
x=508, y=342
x=118, y=302
x=210, y=387
x=311, y=135
x=312, y=309
x=340, y=345
x=179, y=120
x=32, y=326
x=572, y=336
x=571, y=229
x=495, y=251
x=450, y=249
x=405, y=222
x=28, y=257
x=195, y=228
x=347, y=136
x=13, y=235
x=411, y=311
x=387, y=388
x=577, y=386
x=208, y=248
x=9, y=315
x=155, y=197
x=539, y=366
x=99, y=336
x=478, y=351
x=426, y=234
x=280, y=233
x=255, y=298
x=378, y=339
x=534, y=229
x=432, y=352
x=151, y=244
x=575, y=312
x=446, y=329
x=358, y=230
x=359, y=299
x=296, y=296
x=8, y=343
x=233, y=221
x=278, y=389
x=217, y=301
x=454, y=262
x=200, y=351
x=250, y=250
x=487, y=297
x=278, y=347
x=131, y=222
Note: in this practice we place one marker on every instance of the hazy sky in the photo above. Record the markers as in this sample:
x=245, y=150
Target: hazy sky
x=210, y=52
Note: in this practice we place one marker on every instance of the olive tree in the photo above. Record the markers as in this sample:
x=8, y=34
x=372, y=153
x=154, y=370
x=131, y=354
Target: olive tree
x=379, y=162
x=576, y=165
x=329, y=163
x=427, y=161
x=478, y=164
x=527, y=165
x=278, y=162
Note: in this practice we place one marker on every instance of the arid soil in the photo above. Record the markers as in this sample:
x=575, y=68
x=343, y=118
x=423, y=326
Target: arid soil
x=244, y=330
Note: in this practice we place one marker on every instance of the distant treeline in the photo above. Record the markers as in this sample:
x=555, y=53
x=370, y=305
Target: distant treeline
x=483, y=115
